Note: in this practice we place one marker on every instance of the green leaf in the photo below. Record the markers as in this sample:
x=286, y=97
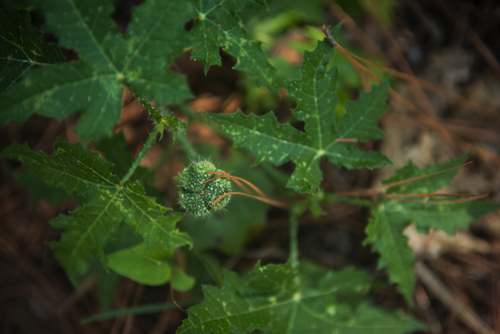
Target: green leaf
x=447, y=217
x=277, y=143
x=391, y=217
x=180, y=281
x=78, y=170
x=426, y=185
x=87, y=230
x=385, y=233
x=38, y=189
x=143, y=265
x=21, y=49
x=218, y=25
x=277, y=299
x=113, y=149
x=107, y=59
x=72, y=167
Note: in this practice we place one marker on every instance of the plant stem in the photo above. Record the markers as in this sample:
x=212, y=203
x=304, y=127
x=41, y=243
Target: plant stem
x=193, y=115
x=446, y=296
x=164, y=156
x=145, y=148
x=144, y=102
x=294, y=228
x=190, y=151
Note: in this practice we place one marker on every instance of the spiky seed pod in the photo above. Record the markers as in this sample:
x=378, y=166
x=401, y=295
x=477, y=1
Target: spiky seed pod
x=195, y=196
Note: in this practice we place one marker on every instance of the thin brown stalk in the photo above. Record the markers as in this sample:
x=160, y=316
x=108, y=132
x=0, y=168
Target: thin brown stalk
x=346, y=140
x=350, y=24
x=468, y=199
x=429, y=86
x=443, y=293
x=173, y=298
x=223, y=174
x=428, y=121
x=372, y=191
x=262, y=199
x=238, y=183
x=398, y=183
x=424, y=118
x=426, y=195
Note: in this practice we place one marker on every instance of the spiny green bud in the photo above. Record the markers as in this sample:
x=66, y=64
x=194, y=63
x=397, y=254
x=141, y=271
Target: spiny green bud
x=195, y=196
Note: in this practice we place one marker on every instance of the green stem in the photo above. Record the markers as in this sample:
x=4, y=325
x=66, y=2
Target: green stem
x=193, y=115
x=165, y=155
x=294, y=228
x=145, y=148
x=187, y=146
x=144, y=102
x=149, y=107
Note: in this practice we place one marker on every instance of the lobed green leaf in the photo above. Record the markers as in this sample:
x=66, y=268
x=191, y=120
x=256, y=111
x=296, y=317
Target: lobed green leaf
x=428, y=184
x=391, y=217
x=278, y=299
x=107, y=59
x=218, y=25
x=78, y=170
x=21, y=49
x=316, y=100
x=87, y=230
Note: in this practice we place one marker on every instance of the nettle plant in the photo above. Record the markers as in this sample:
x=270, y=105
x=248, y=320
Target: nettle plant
x=129, y=233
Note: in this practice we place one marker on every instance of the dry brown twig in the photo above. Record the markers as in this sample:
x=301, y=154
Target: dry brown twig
x=430, y=122
x=437, y=287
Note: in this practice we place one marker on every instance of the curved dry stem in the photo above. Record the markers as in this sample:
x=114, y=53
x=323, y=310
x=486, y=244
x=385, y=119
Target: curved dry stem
x=393, y=184
x=372, y=191
x=238, y=183
x=427, y=195
x=468, y=199
x=427, y=85
x=346, y=140
x=430, y=122
x=262, y=199
x=233, y=178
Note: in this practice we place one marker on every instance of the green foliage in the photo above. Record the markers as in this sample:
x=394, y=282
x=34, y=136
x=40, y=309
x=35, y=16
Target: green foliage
x=316, y=100
x=280, y=299
x=38, y=189
x=120, y=227
x=21, y=48
x=107, y=203
x=218, y=25
x=391, y=217
x=141, y=264
x=148, y=266
x=107, y=60
x=114, y=150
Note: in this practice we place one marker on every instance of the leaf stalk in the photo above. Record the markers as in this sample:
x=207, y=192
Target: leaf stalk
x=145, y=148
x=294, y=231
